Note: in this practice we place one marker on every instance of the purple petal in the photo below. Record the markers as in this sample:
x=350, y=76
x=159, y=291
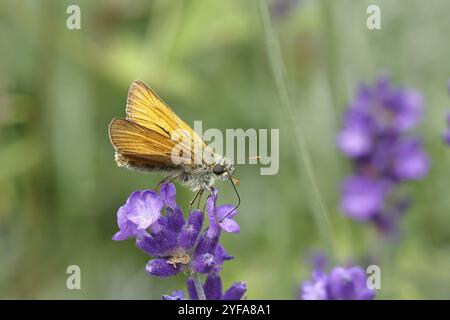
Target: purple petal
x=362, y=197
x=204, y=263
x=318, y=261
x=190, y=231
x=358, y=108
x=161, y=268
x=146, y=209
x=221, y=254
x=176, y=295
x=213, y=228
x=175, y=219
x=163, y=221
x=190, y=284
x=347, y=284
x=386, y=224
x=230, y=225
x=128, y=229
x=224, y=210
x=355, y=142
x=340, y=284
x=446, y=137
x=120, y=235
x=316, y=288
x=235, y=292
x=213, y=287
x=149, y=245
x=366, y=294
x=168, y=195
x=158, y=244
x=206, y=244
x=409, y=109
x=410, y=161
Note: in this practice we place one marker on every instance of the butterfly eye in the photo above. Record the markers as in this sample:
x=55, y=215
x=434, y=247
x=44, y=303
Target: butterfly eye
x=218, y=169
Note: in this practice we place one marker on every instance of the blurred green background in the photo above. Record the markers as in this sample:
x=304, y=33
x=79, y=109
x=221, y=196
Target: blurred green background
x=59, y=88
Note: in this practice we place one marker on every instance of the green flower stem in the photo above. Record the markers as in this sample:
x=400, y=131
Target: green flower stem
x=278, y=69
x=199, y=287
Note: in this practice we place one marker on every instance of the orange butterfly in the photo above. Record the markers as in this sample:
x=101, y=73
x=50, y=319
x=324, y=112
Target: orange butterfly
x=153, y=138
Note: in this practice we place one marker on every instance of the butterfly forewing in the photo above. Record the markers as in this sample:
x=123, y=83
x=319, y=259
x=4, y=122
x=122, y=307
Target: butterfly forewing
x=145, y=108
x=151, y=130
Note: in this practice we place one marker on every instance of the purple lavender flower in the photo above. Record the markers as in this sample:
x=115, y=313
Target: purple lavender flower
x=409, y=161
x=340, y=284
x=318, y=260
x=212, y=288
x=376, y=138
x=316, y=288
x=141, y=211
x=446, y=136
x=176, y=295
x=363, y=197
x=349, y=284
x=176, y=245
x=388, y=220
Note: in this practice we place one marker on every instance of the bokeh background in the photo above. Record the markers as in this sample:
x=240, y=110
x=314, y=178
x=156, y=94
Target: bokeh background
x=59, y=88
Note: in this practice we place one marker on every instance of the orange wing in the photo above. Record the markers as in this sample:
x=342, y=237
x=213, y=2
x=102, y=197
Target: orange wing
x=145, y=108
x=140, y=147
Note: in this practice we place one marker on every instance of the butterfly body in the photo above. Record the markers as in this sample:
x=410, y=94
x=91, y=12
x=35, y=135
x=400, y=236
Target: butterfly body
x=204, y=177
x=147, y=138
x=195, y=178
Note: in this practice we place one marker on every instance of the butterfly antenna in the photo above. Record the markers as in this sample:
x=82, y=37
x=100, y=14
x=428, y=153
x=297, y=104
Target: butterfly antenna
x=250, y=158
x=237, y=194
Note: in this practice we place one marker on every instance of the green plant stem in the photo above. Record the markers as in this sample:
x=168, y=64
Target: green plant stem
x=199, y=287
x=278, y=69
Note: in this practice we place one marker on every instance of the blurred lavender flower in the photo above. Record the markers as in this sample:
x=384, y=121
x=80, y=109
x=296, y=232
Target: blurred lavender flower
x=212, y=288
x=280, y=8
x=340, y=284
x=176, y=245
x=362, y=197
x=318, y=260
x=316, y=288
x=376, y=137
x=176, y=295
x=446, y=135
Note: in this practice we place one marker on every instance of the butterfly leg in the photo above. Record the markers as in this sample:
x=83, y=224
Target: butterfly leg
x=193, y=200
x=166, y=180
x=200, y=198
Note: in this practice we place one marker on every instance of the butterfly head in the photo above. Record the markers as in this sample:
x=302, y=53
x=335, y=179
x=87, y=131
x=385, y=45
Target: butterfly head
x=223, y=168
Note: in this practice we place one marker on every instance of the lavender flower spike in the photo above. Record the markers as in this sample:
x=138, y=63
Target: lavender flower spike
x=446, y=135
x=340, y=284
x=349, y=284
x=176, y=245
x=376, y=137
